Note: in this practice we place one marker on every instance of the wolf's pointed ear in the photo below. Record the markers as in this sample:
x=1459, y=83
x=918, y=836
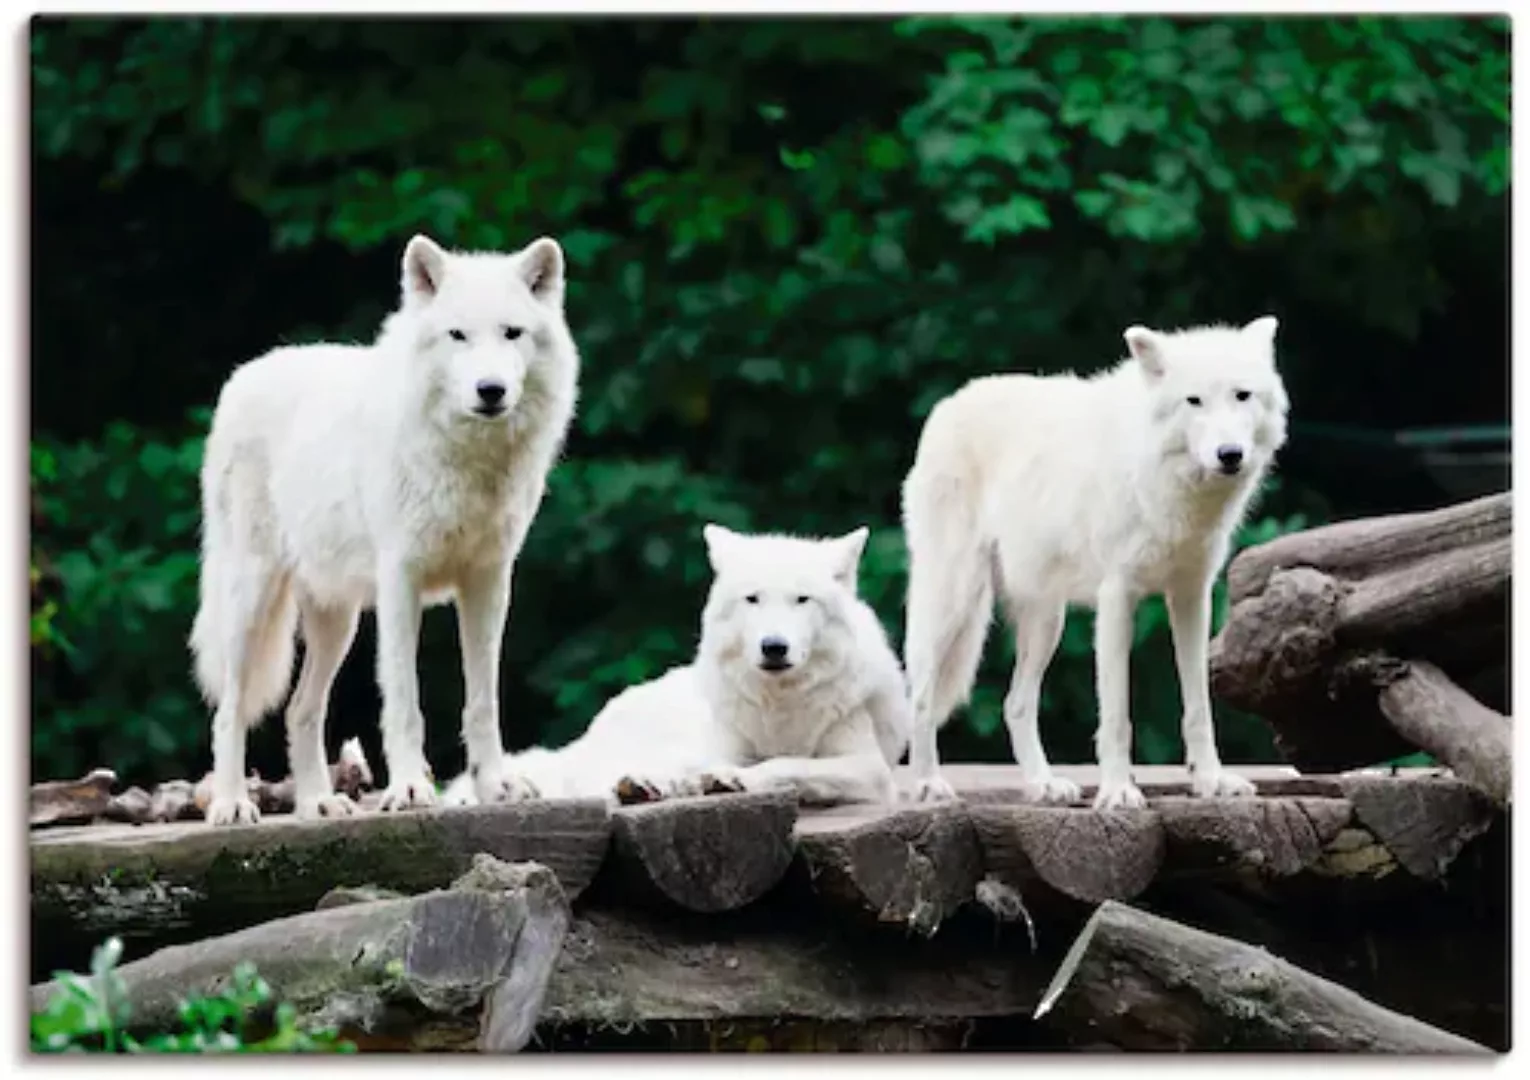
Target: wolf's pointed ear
x=719, y=542
x=424, y=267
x=1146, y=348
x=1263, y=328
x=542, y=269
x=845, y=555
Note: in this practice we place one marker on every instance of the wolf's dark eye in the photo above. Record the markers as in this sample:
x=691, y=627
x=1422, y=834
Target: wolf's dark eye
x=1193, y=400
x=802, y=599
x=513, y=332
x=456, y=335
x=1242, y=395
x=752, y=598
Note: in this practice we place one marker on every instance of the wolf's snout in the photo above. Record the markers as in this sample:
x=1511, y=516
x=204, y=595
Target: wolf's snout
x=491, y=392
x=1231, y=458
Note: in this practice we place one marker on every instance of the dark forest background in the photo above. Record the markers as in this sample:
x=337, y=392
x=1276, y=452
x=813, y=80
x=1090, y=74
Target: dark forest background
x=787, y=239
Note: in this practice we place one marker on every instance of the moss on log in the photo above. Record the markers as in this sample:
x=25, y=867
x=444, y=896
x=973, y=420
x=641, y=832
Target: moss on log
x=179, y=882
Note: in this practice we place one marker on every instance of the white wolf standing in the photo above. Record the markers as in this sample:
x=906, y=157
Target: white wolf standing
x=1056, y=490
x=394, y=475
x=794, y=687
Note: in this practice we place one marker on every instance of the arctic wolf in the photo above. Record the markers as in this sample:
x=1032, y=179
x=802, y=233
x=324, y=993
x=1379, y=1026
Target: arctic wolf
x=1098, y=491
x=390, y=476
x=794, y=687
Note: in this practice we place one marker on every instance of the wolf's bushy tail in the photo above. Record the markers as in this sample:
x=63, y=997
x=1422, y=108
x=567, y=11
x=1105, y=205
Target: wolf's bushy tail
x=268, y=604
x=950, y=588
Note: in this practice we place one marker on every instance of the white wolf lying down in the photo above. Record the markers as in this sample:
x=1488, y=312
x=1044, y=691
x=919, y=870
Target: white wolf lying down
x=1050, y=491
x=392, y=475
x=794, y=687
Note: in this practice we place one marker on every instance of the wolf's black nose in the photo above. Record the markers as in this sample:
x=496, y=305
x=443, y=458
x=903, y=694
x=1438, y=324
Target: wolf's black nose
x=774, y=648
x=491, y=391
x=1231, y=457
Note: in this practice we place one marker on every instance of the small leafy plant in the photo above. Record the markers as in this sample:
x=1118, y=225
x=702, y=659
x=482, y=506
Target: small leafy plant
x=91, y=1015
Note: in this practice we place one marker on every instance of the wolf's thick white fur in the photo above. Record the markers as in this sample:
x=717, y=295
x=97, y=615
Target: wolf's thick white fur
x=829, y=723
x=392, y=476
x=1045, y=491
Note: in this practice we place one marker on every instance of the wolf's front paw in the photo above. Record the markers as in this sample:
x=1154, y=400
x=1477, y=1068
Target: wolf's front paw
x=1210, y=783
x=238, y=810
x=1119, y=795
x=498, y=786
x=1052, y=790
x=726, y=780
x=632, y=790
x=933, y=789
x=310, y=808
x=408, y=793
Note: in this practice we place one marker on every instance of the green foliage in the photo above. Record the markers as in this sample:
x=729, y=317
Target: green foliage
x=120, y=515
x=93, y=1015
x=1161, y=129
x=787, y=240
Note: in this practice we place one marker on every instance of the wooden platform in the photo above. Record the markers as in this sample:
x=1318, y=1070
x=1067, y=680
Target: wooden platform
x=745, y=907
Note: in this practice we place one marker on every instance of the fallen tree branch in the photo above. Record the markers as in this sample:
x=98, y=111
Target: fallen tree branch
x=1141, y=982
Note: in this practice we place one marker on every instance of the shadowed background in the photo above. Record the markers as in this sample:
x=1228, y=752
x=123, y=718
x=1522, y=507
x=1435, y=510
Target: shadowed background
x=787, y=240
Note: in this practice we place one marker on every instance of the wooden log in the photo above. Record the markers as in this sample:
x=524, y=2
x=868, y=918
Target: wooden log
x=1093, y=857
x=162, y=883
x=705, y=853
x=465, y=966
x=1278, y=837
x=1425, y=823
x=1436, y=715
x=1316, y=657
x=1354, y=549
x=1082, y=854
x=1142, y=982
x=637, y=966
x=1420, y=603
x=910, y=868
x=62, y=802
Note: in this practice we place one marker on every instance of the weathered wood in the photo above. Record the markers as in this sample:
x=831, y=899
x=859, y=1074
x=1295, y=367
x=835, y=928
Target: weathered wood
x=355, y=894
x=1327, y=626
x=1427, y=600
x=1436, y=715
x=1369, y=546
x=175, y=882
x=1273, y=836
x=56, y=802
x=706, y=853
x=911, y=868
x=1084, y=855
x=1142, y=982
x=1002, y=783
x=1423, y=823
x=461, y=966
x=628, y=967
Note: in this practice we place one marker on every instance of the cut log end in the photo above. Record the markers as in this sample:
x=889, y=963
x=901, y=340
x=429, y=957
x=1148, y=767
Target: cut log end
x=707, y=853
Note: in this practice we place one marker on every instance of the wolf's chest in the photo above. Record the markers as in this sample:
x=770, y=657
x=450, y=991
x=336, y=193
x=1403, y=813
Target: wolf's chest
x=781, y=728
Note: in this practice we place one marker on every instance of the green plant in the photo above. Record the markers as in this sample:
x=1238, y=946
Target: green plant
x=93, y=1015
